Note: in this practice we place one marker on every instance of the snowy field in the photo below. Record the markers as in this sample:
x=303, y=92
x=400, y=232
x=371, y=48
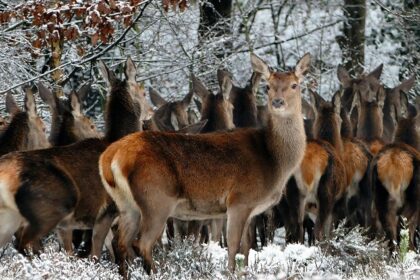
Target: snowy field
x=347, y=256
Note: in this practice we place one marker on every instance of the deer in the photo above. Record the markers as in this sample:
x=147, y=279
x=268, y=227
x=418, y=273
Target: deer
x=320, y=177
x=396, y=175
x=68, y=122
x=60, y=187
x=366, y=84
x=392, y=100
x=252, y=167
x=170, y=116
x=217, y=110
x=26, y=130
x=354, y=154
x=69, y=125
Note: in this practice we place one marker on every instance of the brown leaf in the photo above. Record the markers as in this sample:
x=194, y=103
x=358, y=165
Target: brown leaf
x=37, y=43
x=94, y=38
x=103, y=8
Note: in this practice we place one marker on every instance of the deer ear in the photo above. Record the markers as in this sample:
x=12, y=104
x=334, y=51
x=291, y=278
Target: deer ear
x=199, y=88
x=30, y=106
x=46, y=95
x=308, y=110
x=356, y=102
x=303, y=65
x=75, y=105
x=156, y=99
x=108, y=75
x=336, y=100
x=193, y=128
x=259, y=66
x=254, y=82
x=130, y=70
x=187, y=99
x=404, y=105
x=225, y=83
x=394, y=114
x=380, y=97
x=343, y=76
x=407, y=84
x=376, y=73
x=11, y=106
x=174, y=121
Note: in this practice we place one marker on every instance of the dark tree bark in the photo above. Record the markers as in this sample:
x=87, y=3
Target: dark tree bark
x=352, y=43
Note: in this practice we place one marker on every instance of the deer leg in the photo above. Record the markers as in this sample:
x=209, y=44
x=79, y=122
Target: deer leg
x=216, y=230
x=248, y=237
x=66, y=237
x=100, y=231
x=151, y=228
x=236, y=219
x=390, y=223
x=10, y=222
x=128, y=225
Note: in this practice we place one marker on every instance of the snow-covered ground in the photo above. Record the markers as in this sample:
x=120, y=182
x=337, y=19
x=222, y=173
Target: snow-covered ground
x=346, y=256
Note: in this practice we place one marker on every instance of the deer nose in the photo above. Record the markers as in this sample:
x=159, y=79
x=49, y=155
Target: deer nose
x=278, y=102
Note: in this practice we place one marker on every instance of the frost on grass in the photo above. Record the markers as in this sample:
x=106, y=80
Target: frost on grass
x=349, y=254
x=52, y=264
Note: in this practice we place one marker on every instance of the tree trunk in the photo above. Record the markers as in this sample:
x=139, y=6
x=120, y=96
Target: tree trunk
x=352, y=43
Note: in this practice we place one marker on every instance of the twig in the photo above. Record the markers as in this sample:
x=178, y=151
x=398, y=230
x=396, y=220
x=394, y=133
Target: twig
x=291, y=38
x=88, y=59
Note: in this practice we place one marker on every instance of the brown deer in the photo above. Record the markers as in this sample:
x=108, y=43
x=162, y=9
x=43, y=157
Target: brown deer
x=68, y=123
x=155, y=175
x=353, y=152
x=61, y=187
x=396, y=175
x=26, y=130
x=320, y=180
x=218, y=110
x=366, y=84
x=392, y=100
x=170, y=116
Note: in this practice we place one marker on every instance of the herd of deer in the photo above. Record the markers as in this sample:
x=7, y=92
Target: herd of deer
x=302, y=165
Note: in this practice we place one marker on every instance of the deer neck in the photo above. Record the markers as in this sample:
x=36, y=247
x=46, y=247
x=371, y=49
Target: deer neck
x=286, y=141
x=406, y=133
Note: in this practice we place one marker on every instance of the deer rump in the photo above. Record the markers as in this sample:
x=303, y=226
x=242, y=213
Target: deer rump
x=46, y=186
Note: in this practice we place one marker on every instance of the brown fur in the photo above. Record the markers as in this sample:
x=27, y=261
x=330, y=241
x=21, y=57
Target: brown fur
x=61, y=185
x=26, y=130
x=252, y=167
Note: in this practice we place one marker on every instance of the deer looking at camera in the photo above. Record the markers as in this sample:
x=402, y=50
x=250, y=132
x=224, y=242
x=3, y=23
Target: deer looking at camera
x=155, y=175
x=26, y=130
x=396, y=175
x=60, y=186
x=170, y=116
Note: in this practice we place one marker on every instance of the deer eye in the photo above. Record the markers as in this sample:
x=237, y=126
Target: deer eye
x=294, y=86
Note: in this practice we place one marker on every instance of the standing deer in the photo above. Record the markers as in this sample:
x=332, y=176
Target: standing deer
x=155, y=175
x=396, y=175
x=218, y=110
x=26, y=130
x=61, y=187
x=69, y=125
